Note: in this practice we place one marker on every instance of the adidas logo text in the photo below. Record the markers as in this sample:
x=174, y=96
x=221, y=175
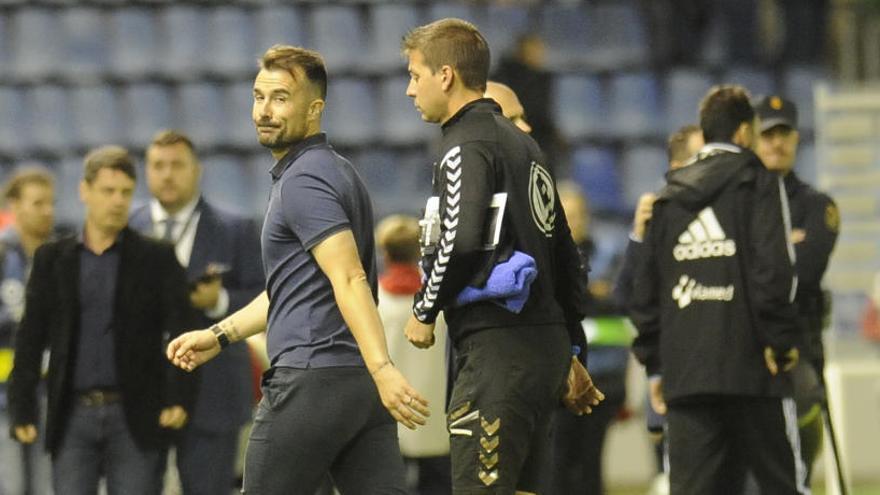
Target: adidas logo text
x=704, y=238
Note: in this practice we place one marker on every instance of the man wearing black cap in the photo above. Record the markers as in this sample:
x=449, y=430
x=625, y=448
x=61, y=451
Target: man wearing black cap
x=815, y=223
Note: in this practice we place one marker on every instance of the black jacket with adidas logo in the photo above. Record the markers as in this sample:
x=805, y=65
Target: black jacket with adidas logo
x=483, y=153
x=716, y=282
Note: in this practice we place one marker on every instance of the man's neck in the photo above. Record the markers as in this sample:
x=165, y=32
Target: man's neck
x=278, y=153
x=458, y=101
x=30, y=242
x=174, y=209
x=98, y=240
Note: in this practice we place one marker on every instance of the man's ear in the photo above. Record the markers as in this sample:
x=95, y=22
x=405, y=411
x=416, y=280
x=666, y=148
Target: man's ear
x=447, y=77
x=315, y=108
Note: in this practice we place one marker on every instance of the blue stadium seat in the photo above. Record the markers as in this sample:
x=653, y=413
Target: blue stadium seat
x=595, y=170
x=460, y=10
x=388, y=24
x=15, y=135
x=233, y=49
x=395, y=180
x=337, y=31
x=579, y=107
x=37, y=40
x=565, y=29
x=279, y=24
x=86, y=41
x=798, y=86
x=350, y=112
x=228, y=182
x=239, y=98
x=6, y=43
x=53, y=132
x=134, y=42
x=186, y=42
x=684, y=90
x=618, y=36
x=758, y=82
x=201, y=113
x=806, y=165
x=147, y=108
x=68, y=175
x=400, y=122
x=259, y=163
x=96, y=116
x=504, y=23
x=635, y=105
x=642, y=170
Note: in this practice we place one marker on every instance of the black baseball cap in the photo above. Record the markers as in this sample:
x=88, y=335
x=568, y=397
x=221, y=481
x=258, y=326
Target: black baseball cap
x=774, y=111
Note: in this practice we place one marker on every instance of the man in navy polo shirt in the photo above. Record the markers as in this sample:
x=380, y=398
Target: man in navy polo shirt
x=320, y=412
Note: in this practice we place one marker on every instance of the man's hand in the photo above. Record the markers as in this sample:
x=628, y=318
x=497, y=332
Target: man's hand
x=406, y=405
x=644, y=210
x=655, y=394
x=418, y=333
x=798, y=235
x=206, y=293
x=26, y=433
x=791, y=360
x=581, y=395
x=173, y=417
x=192, y=349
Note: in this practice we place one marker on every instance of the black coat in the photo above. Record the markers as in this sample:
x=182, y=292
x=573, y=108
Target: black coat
x=151, y=306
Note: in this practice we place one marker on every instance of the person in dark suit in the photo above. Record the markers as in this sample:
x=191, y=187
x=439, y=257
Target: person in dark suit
x=103, y=303
x=221, y=253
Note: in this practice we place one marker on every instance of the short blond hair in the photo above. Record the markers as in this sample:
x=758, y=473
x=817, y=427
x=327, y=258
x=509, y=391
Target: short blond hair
x=452, y=42
x=30, y=174
x=398, y=237
x=112, y=157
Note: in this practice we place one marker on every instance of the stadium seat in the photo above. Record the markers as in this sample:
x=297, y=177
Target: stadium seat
x=36, y=41
x=86, y=49
x=201, y=113
x=504, y=23
x=15, y=133
x=635, y=105
x=147, y=108
x=337, y=32
x=579, y=107
x=806, y=165
x=186, y=42
x=565, y=29
x=228, y=182
x=400, y=122
x=53, y=132
x=279, y=24
x=233, y=47
x=684, y=90
x=595, y=170
x=460, y=10
x=758, y=82
x=68, y=207
x=642, y=170
x=239, y=128
x=618, y=36
x=350, y=113
x=96, y=117
x=134, y=42
x=798, y=86
x=388, y=24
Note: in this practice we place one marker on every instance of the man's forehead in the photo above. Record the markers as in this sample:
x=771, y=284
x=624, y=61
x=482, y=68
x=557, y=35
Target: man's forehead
x=272, y=80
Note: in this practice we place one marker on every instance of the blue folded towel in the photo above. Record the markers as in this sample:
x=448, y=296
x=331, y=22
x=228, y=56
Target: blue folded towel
x=508, y=284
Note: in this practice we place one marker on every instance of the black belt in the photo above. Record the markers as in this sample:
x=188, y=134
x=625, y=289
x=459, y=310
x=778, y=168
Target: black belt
x=98, y=397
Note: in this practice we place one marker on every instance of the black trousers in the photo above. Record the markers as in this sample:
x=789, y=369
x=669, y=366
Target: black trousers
x=715, y=440
x=316, y=421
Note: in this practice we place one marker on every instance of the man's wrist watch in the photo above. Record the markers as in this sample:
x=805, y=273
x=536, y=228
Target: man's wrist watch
x=222, y=338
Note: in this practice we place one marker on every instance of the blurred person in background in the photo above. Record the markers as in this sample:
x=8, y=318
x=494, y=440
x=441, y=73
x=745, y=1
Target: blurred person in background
x=331, y=386
x=30, y=196
x=681, y=146
x=103, y=303
x=579, y=441
x=426, y=450
x=815, y=224
x=713, y=304
x=221, y=254
x=514, y=337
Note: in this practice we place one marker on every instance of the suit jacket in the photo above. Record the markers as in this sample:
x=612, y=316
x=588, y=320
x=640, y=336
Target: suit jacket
x=224, y=391
x=150, y=308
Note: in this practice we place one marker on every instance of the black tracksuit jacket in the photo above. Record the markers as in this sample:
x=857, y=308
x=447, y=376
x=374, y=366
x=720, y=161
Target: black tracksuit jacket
x=483, y=153
x=715, y=282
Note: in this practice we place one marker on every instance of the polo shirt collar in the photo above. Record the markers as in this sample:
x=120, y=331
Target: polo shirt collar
x=313, y=141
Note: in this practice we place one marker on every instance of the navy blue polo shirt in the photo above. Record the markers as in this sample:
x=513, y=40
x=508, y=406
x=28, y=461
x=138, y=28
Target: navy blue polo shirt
x=96, y=349
x=315, y=193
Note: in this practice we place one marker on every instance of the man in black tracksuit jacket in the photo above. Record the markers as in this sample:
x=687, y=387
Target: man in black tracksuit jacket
x=713, y=306
x=513, y=360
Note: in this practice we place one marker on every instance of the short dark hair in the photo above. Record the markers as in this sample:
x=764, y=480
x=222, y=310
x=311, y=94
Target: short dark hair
x=676, y=146
x=170, y=137
x=112, y=157
x=456, y=43
x=723, y=110
x=398, y=237
x=288, y=57
x=30, y=174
